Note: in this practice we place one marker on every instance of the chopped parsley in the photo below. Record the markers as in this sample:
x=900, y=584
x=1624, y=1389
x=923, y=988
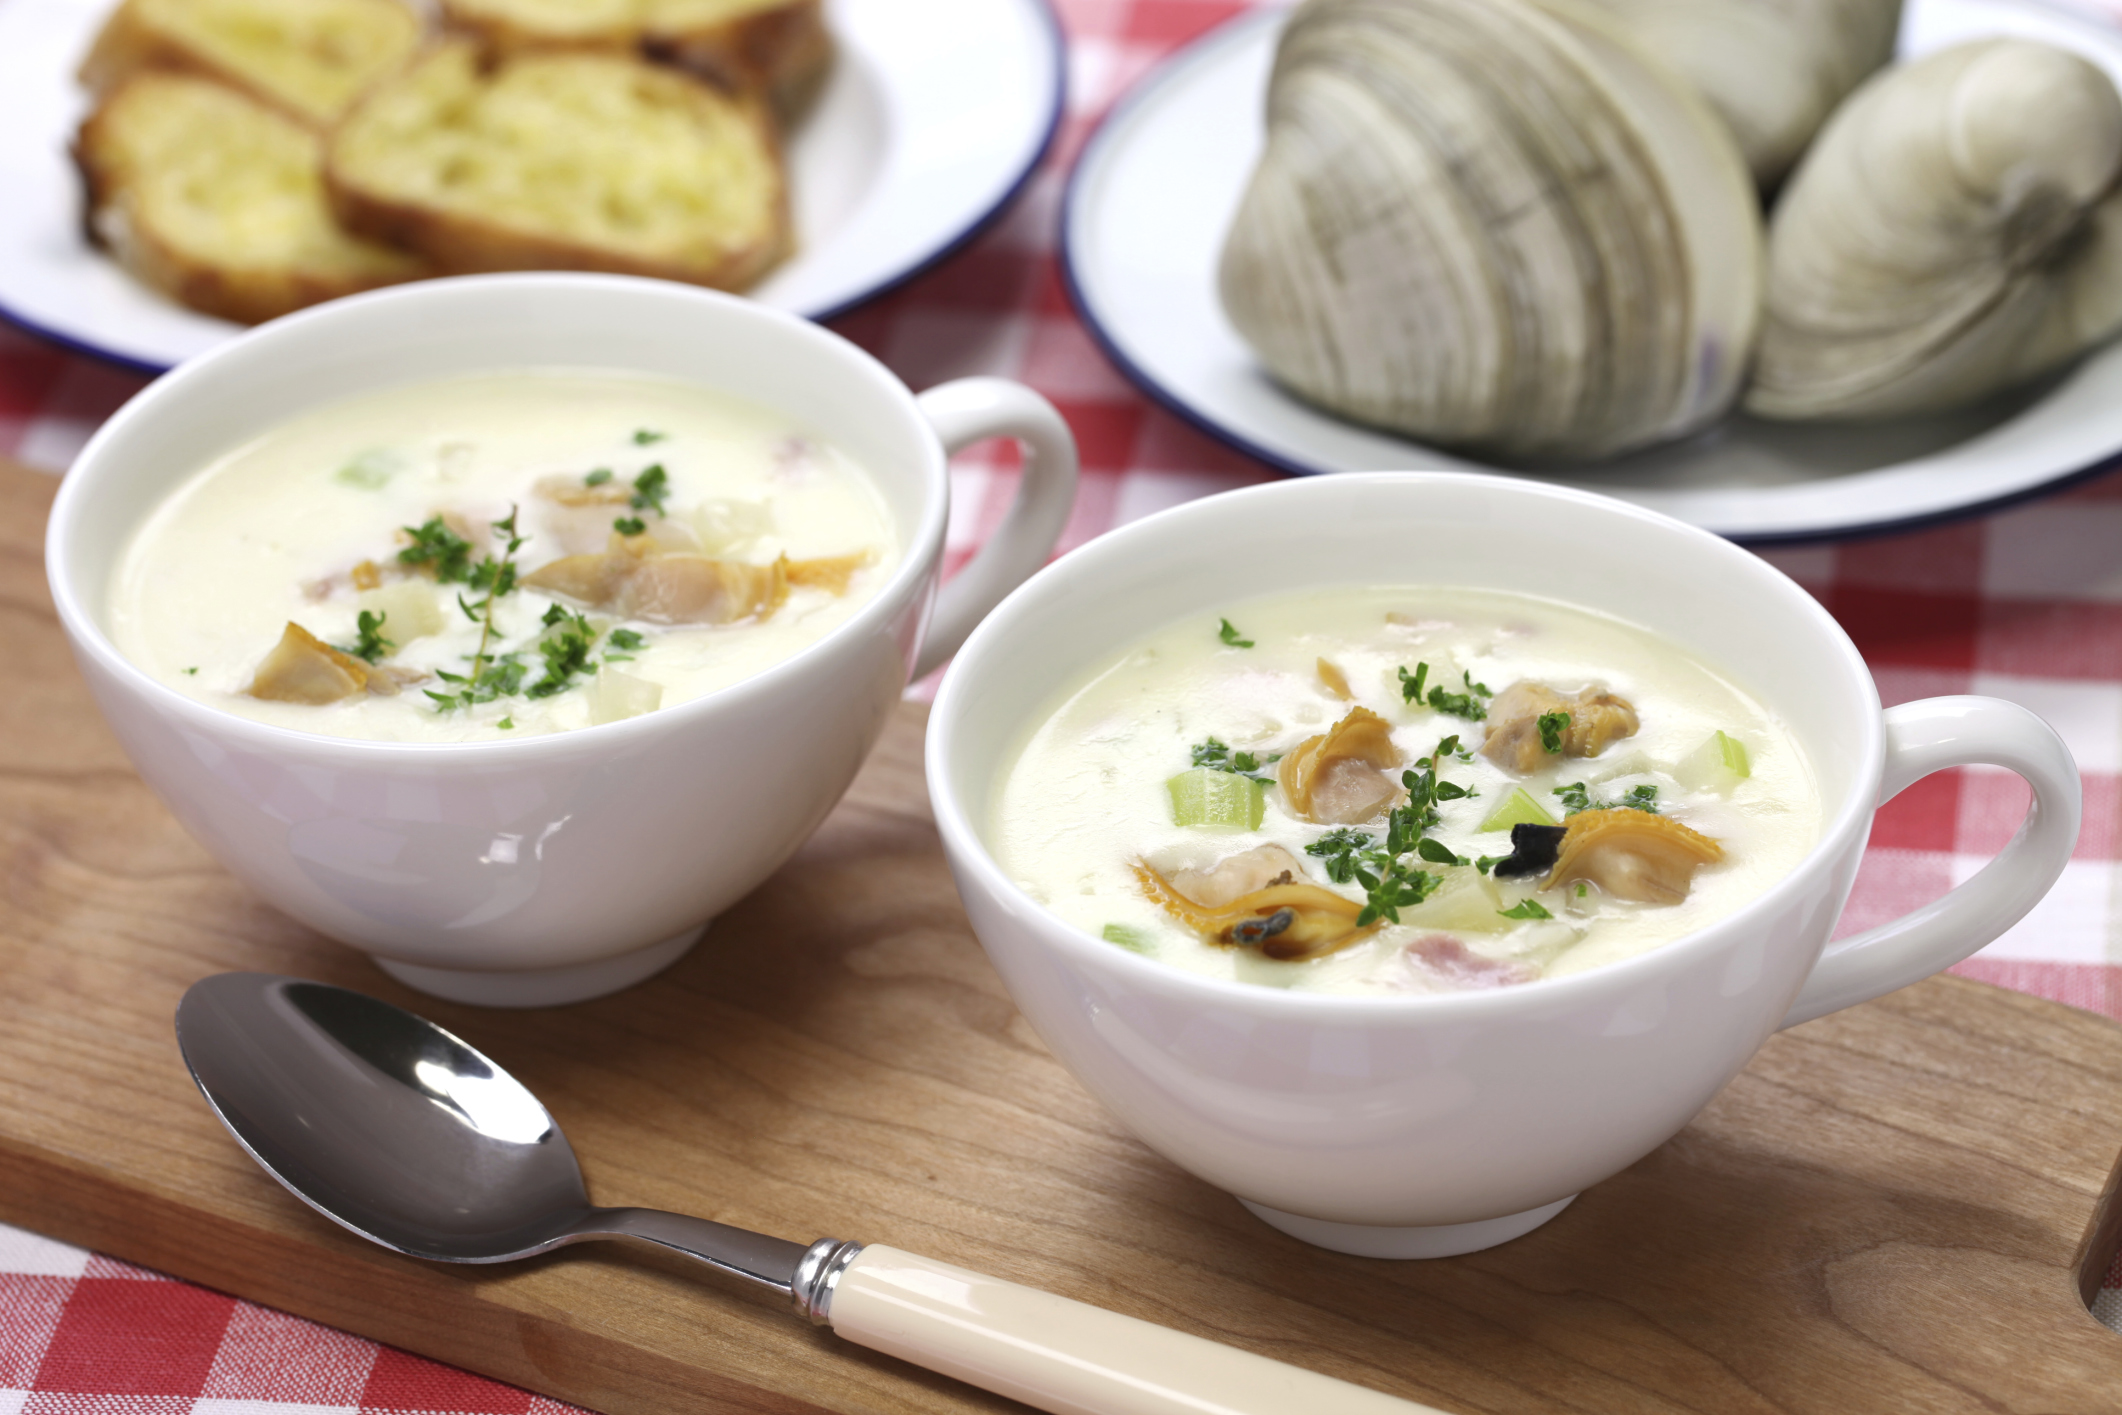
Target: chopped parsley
x=1582, y=890
x=565, y=647
x=626, y=641
x=369, y=644
x=650, y=489
x=192, y=672
x=643, y=436
x=1339, y=849
x=1214, y=755
x=1471, y=704
x=440, y=549
x=506, y=724
x=1575, y=799
x=1552, y=726
x=1526, y=909
x=599, y=477
x=630, y=525
x=1229, y=634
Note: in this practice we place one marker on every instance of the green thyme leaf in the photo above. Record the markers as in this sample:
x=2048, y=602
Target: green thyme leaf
x=1526, y=909
x=440, y=549
x=650, y=489
x=369, y=641
x=1576, y=798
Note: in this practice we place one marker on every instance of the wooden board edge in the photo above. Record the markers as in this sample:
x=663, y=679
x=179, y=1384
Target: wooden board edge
x=406, y=1303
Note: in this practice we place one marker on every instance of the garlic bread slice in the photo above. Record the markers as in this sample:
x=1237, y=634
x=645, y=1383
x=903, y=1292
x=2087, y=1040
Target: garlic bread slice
x=554, y=160
x=778, y=47
x=215, y=199
x=308, y=58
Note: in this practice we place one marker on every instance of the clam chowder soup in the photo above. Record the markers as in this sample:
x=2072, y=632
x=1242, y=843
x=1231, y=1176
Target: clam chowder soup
x=497, y=556
x=1402, y=790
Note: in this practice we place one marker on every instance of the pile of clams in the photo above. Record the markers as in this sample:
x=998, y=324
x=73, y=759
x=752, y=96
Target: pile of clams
x=1535, y=227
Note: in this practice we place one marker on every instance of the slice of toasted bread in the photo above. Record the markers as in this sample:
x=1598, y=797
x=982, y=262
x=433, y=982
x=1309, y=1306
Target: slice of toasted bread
x=215, y=199
x=553, y=160
x=779, y=47
x=308, y=58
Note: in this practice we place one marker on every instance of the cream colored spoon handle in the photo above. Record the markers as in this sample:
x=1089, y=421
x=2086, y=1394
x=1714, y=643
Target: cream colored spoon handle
x=1068, y=1357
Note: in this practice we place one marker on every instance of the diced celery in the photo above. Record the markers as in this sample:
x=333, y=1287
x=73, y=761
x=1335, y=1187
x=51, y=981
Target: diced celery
x=1128, y=937
x=1717, y=765
x=371, y=469
x=1518, y=808
x=1207, y=799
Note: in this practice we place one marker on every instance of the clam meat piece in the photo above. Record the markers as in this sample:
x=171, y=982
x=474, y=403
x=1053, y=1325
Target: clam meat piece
x=664, y=589
x=387, y=680
x=575, y=491
x=1334, y=681
x=1237, y=875
x=830, y=573
x=1632, y=855
x=302, y=668
x=1597, y=719
x=1494, y=224
x=1286, y=922
x=1339, y=777
x=1773, y=69
x=1955, y=229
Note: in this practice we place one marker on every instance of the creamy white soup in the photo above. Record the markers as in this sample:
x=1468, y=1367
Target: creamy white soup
x=1401, y=790
x=499, y=556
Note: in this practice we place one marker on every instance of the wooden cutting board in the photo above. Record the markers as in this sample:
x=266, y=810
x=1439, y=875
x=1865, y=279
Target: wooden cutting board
x=1891, y=1210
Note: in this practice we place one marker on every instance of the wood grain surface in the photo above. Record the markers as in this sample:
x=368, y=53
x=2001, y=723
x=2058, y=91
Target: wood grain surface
x=1891, y=1210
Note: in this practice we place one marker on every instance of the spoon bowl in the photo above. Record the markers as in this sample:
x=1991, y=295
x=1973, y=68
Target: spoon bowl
x=381, y=1121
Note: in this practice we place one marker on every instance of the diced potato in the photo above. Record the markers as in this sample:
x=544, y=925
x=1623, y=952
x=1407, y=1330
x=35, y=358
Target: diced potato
x=616, y=696
x=408, y=608
x=1467, y=902
x=725, y=525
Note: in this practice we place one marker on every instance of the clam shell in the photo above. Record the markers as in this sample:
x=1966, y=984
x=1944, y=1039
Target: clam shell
x=1956, y=229
x=1773, y=69
x=1494, y=224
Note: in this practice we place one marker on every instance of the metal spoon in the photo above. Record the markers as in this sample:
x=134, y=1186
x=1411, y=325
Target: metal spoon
x=394, y=1128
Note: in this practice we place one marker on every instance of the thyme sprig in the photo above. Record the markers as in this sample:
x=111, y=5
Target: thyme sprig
x=1391, y=873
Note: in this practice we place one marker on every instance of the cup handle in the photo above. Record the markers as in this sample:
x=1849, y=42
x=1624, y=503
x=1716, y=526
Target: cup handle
x=969, y=410
x=1931, y=735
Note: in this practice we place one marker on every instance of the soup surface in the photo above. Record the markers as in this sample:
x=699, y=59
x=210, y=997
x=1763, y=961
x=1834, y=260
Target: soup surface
x=1401, y=789
x=498, y=556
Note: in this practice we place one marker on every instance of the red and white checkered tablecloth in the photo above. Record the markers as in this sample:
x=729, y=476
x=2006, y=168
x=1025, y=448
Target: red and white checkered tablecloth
x=2026, y=605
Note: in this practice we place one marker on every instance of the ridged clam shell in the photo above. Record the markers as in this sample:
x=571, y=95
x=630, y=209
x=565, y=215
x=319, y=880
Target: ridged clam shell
x=1494, y=224
x=1955, y=229
x=1773, y=69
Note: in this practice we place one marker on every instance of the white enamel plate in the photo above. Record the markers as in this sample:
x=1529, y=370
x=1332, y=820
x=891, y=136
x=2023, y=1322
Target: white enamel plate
x=1155, y=190
x=935, y=114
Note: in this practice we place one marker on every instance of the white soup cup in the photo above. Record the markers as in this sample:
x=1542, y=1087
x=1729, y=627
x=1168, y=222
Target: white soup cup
x=556, y=868
x=1421, y=1126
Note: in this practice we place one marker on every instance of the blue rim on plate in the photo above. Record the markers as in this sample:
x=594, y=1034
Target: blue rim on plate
x=1216, y=47
x=1023, y=169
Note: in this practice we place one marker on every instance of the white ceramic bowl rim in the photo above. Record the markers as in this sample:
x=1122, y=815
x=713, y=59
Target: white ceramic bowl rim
x=1851, y=817
x=918, y=558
